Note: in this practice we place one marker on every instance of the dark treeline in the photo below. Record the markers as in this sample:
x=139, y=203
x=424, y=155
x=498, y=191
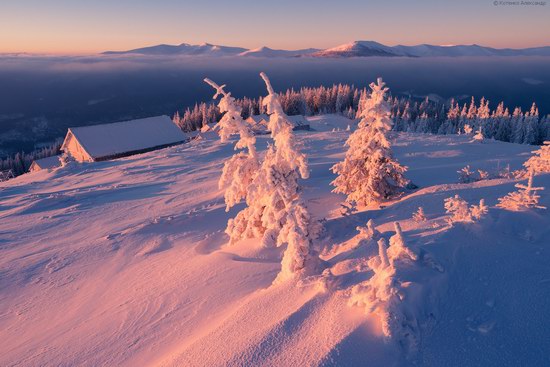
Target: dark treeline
x=421, y=116
x=21, y=162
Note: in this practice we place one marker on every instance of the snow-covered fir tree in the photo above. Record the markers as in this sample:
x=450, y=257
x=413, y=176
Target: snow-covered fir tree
x=238, y=171
x=275, y=211
x=525, y=198
x=369, y=173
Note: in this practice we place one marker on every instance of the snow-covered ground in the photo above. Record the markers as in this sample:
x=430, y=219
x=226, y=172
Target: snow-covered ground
x=125, y=263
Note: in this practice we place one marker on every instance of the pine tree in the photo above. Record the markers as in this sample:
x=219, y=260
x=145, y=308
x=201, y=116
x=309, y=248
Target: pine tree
x=369, y=173
x=531, y=126
x=518, y=126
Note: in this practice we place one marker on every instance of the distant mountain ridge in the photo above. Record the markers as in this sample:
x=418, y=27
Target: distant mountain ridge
x=183, y=49
x=353, y=49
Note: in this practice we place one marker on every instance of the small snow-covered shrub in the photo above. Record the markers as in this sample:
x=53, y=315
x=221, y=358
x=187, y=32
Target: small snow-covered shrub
x=398, y=249
x=468, y=129
x=419, y=215
x=382, y=294
x=525, y=198
x=458, y=208
x=368, y=233
x=465, y=175
x=483, y=175
x=460, y=212
x=369, y=173
x=478, y=137
x=479, y=211
x=505, y=172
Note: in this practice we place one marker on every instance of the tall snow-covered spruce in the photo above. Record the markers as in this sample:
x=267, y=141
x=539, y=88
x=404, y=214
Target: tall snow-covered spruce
x=239, y=171
x=275, y=211
x=369, y=173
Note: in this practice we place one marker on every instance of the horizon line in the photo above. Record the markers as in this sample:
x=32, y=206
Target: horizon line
x=99, y=52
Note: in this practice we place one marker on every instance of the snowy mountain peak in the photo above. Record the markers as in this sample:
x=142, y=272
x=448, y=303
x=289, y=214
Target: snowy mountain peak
x=351, y=49
x=183, y=49
x=356, y=48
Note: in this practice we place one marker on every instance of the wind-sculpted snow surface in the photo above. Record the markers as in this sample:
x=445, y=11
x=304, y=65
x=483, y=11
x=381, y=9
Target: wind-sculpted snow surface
x=126, y=263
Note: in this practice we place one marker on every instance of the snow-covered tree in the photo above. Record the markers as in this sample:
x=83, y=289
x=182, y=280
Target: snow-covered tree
x=368, y=233
x=369, y=173
x=275, y=210
x=478, y=137
x=398, y=249
x=465, y=175
x=540, y=161
x=382, y=294
x=525, y=198
x=460, y=212
x=419, y=215
x=479, y=211
x=240, y=170
x=483, y=175
x=505, y=172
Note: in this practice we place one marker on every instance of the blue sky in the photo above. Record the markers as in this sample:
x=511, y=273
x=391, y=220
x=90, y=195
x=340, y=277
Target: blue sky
x=64, y=26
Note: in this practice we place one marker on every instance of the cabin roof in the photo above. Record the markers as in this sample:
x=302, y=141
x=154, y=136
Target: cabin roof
x=117, y=138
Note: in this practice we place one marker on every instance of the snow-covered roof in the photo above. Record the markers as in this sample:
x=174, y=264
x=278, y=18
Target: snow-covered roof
x=115, y=139
x=45, y=163
x=258, y=118
x=298, y=120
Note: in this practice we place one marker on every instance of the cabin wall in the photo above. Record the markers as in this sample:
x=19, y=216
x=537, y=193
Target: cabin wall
x=34, y=167
x=75, y=149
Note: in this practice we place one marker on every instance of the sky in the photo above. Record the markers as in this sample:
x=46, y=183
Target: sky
x=85, y=26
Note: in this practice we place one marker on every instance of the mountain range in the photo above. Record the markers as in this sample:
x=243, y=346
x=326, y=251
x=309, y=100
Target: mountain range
x=353, y=49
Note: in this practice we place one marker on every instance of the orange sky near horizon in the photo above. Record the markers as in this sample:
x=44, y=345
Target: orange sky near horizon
x=66, y=27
